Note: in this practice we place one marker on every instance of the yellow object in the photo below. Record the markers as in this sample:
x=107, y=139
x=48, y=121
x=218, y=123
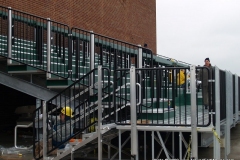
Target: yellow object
x=92, y=127
x=189, y=148
x=181, y=78
x=19, y=154
x=216, y=135
x=67, y=111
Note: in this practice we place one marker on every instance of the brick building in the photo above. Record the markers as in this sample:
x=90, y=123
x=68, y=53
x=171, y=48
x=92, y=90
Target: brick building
x=132, y=21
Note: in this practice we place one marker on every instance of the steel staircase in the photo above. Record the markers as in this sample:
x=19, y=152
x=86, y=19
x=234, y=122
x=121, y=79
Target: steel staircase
x=68, y=59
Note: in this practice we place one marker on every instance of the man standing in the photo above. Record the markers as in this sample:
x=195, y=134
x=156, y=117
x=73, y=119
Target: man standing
x=204, y=75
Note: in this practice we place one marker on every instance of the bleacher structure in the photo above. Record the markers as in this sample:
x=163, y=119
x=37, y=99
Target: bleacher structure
x=114, y=88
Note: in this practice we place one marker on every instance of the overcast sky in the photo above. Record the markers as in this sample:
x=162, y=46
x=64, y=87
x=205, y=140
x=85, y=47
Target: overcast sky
x=191, y=30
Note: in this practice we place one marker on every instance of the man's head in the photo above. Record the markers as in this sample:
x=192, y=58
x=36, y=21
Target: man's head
x=207, y=62
x=66, y=114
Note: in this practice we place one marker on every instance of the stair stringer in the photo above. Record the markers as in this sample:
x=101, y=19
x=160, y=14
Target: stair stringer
x=92, y=136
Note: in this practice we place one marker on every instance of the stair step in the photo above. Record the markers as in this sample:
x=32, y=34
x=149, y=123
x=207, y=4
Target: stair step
x=156, y=114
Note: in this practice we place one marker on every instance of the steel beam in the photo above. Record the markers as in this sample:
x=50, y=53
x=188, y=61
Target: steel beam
x=9, y=61
x=134, y=132
x=216, y=149
x=193, y=112
x=92, y=55
x=99, y=112
x=44, y=130
x=26, y=87
x=48, y=48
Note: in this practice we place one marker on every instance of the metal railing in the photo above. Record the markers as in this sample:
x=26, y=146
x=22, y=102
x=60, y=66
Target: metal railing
x=84, y=105
x=58, y=50
x=162, y=98
x=36, y=42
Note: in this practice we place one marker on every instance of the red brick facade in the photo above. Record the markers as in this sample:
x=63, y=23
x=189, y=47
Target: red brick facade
x=133, y=21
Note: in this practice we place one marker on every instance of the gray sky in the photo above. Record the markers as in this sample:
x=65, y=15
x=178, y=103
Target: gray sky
x=191, y=30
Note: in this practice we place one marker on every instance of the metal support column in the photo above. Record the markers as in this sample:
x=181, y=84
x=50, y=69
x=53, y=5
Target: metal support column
x=38, y=126
x=140, y=55
x=44, y=130
x=180, y=145
x=72, y=153
x=48, y=48
x=145, y=146
x=193, y=112
x=134, y=133
x=109, y=151
x=92, y=60
x=153, y=145
x=216, y=149
x=229, y=112
x=173, y=146
x=99, y=113
x=9, y=61
x=119, y=144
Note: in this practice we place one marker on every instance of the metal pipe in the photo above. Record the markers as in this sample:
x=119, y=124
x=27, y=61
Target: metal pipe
x=173, y=146
x=153, y=145
x=217, y=149
x=44, y=130
x=15, y=135
x=193, y=112
x=9, y=61
x=134, y=133
x=140, y=55
x=48, y=48
x=99, y=112
x=92, y=59
x=109, y=152
x=145, y=144
x=180, y=145
x=119, y=144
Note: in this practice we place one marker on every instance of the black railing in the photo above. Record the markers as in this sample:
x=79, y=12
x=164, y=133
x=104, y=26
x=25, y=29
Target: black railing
x=61, y=50
x=119, y=54
x=164, y=98
x=121, y=96
x=29, y=47
x=82, y=98
x=81, y=52
x=222, y=95
x=29, y=42
x=29, y=35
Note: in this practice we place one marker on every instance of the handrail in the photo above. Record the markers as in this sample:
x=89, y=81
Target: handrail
x=15, y=136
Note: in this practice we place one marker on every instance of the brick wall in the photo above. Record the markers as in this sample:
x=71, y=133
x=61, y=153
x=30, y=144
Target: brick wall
x=133, y=21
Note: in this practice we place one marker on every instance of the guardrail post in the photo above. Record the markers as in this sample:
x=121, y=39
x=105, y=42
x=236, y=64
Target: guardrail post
x=70, y=50
x=9, y=61
x=133, y=104
x=193, y=112
x=48, y=48
x=139, y=65
x=92, y=60
x=99, y=112
x=140, y=55
x=229, y=113
x=44, y=130
x=216, y=149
